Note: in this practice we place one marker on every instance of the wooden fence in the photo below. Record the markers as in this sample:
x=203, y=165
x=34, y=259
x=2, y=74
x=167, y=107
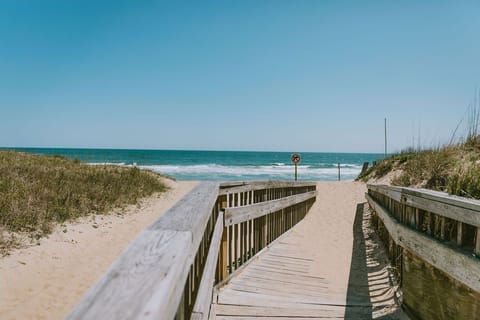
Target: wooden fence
x=433, y=240
x=170, y=269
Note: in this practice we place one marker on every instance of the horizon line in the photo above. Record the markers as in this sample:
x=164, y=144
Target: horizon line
x=182, y=149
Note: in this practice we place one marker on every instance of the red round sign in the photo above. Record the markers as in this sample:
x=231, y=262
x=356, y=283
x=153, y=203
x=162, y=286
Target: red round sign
x=295, y=158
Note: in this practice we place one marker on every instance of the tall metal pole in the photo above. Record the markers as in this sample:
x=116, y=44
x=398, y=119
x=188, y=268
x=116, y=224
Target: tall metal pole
x=385, y=137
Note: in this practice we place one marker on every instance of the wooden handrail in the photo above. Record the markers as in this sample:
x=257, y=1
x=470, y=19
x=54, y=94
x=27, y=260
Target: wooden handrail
x=439, y=208
x=147, y=281
x=201, y=308
x=462, y=267
x=237, y=215
x=237, y=187
x=169, y=270
x=440, y=203
x=256, y=214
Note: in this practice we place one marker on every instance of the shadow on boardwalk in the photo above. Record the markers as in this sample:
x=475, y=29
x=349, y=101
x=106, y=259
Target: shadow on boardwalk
x=372, y=289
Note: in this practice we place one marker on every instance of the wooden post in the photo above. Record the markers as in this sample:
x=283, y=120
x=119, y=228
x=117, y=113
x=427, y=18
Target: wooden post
x=339, y=171
x=245, y=242
x=295, y=172
x=442, y=228
x=241, y=228
x=223, y=255
x=428, y=217
x=410, y=216
x=253, y=231
x=459, y=233
x=417, y=219
x=231, y=246
x=181, y=309
x=477, y=243
x=257, y=225
x=264, y=232
x=364, y=167
x=236, y=228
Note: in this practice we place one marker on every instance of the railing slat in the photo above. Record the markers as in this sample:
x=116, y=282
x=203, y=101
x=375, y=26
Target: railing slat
x=169, y=270
x=204, y=296
x=241, y=214
x=147, y=280
x=439, y=203
x=464, y=268
x=232, y=187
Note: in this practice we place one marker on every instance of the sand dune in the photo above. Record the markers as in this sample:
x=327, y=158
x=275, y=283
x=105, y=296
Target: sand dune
x=46, y=281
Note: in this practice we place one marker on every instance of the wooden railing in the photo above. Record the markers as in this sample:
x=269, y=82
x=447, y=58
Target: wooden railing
x=422, y=229
x=170, y=269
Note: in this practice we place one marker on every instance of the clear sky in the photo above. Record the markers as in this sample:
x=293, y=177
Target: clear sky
x=235, y=75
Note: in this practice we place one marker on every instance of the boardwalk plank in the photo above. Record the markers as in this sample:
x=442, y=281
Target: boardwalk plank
x=253, y=311
x=287, y=280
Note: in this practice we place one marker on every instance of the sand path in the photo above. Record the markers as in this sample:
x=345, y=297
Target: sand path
x=46, y=281
x=330, y=265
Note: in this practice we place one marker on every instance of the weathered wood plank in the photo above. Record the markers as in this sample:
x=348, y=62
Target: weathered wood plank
x=196, y=316
x=459, y=234
x=223, y=261
x=278, y=287
x=147, y=280
x=234, y=187
x=453, y=207
x=458, y=265
x=273, y=318
x=204, y=295
x=191, y=213
x=241, y=214
x=142, y=283
x=257, y=311
x=229, y=296
x=477, y=243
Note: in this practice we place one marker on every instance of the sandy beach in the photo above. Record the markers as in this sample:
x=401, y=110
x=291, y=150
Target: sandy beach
x=46, y=281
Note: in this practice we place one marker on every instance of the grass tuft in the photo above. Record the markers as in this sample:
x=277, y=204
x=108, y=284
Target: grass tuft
x=38, y=192
x=453, y=168
x=465, y=183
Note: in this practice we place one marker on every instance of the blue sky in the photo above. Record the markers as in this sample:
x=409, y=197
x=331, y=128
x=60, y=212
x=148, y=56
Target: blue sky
x=235, y=75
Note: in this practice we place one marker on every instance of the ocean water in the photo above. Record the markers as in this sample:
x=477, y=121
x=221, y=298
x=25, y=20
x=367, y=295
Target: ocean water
x=224, y=165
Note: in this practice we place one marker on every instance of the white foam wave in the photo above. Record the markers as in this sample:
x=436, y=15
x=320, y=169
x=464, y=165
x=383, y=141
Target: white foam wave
x=215, y=171
x=277, y=171
x=108, y=164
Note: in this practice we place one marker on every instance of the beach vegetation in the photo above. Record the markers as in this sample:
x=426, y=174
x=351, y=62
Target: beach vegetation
x=38, y=192
x=451, y=168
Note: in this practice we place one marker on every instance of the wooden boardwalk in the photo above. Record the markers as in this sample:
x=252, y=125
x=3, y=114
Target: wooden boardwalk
x=298, y=250
x=330, y=265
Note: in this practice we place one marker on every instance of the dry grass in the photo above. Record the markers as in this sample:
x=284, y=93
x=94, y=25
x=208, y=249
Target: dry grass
x=37, y=192
x=428, y=169
x=454, y=169
x=465, y=183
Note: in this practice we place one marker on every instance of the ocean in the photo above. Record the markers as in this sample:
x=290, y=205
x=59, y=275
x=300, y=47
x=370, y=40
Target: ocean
x=224, y=165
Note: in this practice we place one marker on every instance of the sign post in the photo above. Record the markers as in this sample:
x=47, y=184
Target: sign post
x=295, y=159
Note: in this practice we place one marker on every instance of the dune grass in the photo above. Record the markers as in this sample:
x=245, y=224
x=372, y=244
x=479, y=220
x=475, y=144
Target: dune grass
x=453, y=168
x=37, y=192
